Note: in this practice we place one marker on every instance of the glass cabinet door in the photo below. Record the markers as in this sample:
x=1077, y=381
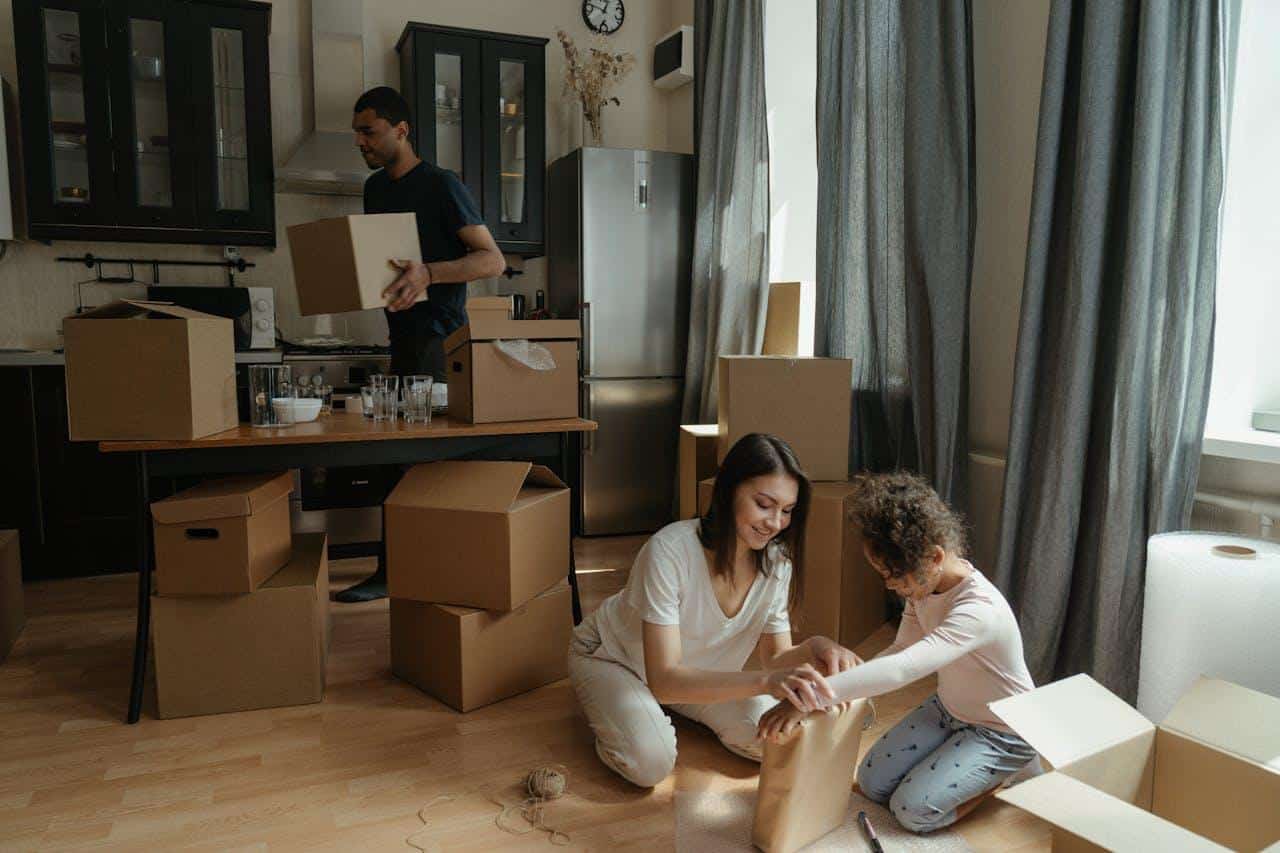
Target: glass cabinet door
x=514, y=141
x=149, y=102
x=229, y=93
x=67, y=125
x=447, y=86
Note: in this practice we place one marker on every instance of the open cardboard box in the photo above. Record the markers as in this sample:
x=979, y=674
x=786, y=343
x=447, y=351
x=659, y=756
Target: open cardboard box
x=1207, y=778
x=486, y=386
x=476, y=534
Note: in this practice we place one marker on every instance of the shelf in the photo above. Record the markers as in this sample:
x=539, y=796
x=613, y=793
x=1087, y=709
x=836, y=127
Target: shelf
x=227, y=88
x=65, y=68
x=60, y=126
x=235, y=159
x=511, y=176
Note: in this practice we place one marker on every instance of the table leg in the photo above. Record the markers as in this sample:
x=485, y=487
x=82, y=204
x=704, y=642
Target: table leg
x=566, y=449
x=142, y=632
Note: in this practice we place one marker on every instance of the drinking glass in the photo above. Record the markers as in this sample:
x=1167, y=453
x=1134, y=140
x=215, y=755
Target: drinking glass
x=366, y=401
x=386, y=397
x=325, y=393
x=417, y=399
x=265, y=383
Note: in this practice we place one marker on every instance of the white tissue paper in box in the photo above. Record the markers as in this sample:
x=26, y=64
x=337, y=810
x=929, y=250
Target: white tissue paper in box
x=1208, y=613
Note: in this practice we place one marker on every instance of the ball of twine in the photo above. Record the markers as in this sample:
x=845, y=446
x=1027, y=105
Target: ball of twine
x=545, y=783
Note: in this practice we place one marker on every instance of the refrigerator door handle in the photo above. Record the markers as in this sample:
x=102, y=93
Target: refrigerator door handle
x=588, y=437
x=585, y=313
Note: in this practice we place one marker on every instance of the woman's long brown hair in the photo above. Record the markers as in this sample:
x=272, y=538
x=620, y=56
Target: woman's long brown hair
x=757, y=455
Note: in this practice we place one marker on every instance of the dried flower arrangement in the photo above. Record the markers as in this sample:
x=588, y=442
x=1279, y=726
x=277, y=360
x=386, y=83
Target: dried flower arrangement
x=591, y=75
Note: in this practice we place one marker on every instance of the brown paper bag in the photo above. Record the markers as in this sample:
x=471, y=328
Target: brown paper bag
x=806, y=779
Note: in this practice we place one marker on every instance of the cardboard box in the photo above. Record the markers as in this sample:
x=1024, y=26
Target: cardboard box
x=476, y=534
x=263, y=649
x=467, y=657
x=486, y=386
x=12, y=615
x=1208, y=775
x=697, y=461
x=149, y=370
x=805, y=401
x=788, y=324
x=488, y=308
x=844, y=598
x=222, y=537
x=344, y=263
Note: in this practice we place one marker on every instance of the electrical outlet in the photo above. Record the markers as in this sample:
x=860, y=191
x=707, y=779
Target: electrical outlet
x=231, y=253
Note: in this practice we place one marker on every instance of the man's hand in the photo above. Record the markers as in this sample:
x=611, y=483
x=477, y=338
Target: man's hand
x=778, y=721
x=831, y=657
x=412, y=282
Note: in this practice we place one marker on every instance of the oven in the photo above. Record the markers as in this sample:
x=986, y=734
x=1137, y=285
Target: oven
x=345, y=502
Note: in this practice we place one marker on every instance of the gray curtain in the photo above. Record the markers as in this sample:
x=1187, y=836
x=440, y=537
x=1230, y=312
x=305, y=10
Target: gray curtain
x=731, y=230
x=896, y=219
x=1114, y=349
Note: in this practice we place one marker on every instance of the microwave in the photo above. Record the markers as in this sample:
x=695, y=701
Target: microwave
x=251, y=309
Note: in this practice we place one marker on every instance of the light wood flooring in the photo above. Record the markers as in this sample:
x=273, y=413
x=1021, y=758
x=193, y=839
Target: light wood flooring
x=350, y=773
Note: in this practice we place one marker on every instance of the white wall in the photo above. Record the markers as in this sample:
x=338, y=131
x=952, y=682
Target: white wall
x=36, y=293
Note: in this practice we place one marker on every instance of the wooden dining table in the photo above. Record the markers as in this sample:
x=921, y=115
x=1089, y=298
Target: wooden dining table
x=334, y=440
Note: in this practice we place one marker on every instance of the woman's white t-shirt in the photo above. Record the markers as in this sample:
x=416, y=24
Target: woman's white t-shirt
x=670, y=584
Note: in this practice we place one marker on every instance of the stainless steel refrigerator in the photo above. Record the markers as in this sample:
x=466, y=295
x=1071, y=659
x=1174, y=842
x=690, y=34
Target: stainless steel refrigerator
x=619, y=249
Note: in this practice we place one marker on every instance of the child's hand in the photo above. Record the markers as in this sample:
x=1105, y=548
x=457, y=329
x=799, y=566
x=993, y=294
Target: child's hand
x=831, y=657
x=779, y=721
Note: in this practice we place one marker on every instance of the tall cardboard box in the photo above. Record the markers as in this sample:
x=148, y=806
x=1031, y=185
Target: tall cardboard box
x=844, y=598
x=149, y=370
x=467, y=657
x=805, y=401
x=697, y=461
x=487, y=385
x=476, y=534
x=222, y=537
x=344, y=263
x=1206, y=778
x=264, y=649
x=789, y=319
x=12, y=615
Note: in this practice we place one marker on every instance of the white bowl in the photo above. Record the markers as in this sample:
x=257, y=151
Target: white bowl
x=296, y=410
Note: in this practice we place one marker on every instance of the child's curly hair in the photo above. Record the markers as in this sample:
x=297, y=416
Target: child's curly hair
x=902, y=518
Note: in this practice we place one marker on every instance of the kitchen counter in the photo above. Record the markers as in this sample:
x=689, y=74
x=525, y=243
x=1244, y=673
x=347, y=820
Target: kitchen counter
x=49, y=358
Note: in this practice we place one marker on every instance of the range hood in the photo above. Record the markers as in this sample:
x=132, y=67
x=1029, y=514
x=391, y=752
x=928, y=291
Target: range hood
x=328, y=161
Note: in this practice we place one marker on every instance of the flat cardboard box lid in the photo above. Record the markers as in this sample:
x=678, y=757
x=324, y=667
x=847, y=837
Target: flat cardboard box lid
x=123, y=309
x=475, y=486
x=461, y=611
x=1070, y=719
x=1098, y=817
x=486, y=327
x=1231, y=718
x=225, y=498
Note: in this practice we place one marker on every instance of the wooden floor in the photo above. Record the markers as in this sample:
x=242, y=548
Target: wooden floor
x=350, y=773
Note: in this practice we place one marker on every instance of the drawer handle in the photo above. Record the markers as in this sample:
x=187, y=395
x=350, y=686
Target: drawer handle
x=202, y=533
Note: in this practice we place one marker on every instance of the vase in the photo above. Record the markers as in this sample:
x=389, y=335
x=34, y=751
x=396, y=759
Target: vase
x=592, y=130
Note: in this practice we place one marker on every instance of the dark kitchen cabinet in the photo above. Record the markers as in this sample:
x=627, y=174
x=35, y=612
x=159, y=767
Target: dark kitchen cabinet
x=74, y=506
x=479, y=109
x=146, y=120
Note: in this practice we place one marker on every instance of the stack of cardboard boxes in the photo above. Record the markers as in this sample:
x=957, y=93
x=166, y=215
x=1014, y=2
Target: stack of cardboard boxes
x=240, y=615
x=477, y=561
x=806, y=402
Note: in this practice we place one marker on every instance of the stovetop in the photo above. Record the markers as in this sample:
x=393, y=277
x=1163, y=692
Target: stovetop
x=293, y=350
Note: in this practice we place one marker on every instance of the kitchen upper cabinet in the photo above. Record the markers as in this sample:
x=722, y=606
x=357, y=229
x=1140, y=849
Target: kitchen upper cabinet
x=147, y=120
x=479, y=109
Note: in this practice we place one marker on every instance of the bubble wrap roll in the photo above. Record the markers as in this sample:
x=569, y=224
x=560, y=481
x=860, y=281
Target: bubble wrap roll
x=1208, y=611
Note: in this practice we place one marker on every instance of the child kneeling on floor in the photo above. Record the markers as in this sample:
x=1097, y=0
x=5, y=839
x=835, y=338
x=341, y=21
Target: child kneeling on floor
x=947, y=755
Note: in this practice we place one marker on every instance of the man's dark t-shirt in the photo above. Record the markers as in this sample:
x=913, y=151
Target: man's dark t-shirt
x=443, y=205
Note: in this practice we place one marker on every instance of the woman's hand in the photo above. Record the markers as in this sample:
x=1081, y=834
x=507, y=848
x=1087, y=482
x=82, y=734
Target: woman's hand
x=779, y=721
x=831, y=657
x=802, y=686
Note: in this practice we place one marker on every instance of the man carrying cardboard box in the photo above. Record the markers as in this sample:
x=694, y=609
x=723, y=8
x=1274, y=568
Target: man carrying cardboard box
x=456, y=248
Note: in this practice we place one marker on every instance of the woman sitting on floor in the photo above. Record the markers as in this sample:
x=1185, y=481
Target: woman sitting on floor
x=940, y=761
x=703, y=593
